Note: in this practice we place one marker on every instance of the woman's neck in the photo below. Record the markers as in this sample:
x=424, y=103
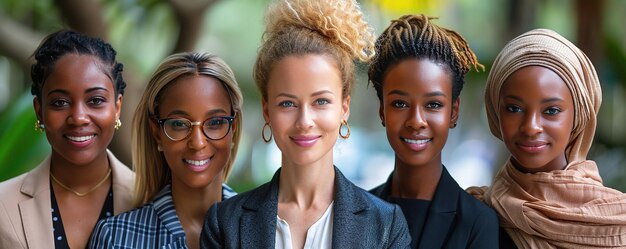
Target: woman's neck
x=306, y=185
x=79, y=177
x=415, y=181
x=191, y=205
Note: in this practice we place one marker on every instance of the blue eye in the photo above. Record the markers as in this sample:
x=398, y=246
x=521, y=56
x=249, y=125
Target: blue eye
x=286, y=103
x=399, y=104
x=552, y=111
x=512, y=108
x=322, y=101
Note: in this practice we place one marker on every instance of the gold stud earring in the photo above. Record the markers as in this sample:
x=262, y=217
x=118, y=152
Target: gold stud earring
x=118, y=124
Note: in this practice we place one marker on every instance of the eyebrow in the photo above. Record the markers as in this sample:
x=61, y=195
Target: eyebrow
x=208, y=113
x=295, y=97
x=429, y=94
x=65, y=92
x=548, y=100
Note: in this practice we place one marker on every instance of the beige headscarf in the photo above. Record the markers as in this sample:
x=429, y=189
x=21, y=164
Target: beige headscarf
x=567, y=208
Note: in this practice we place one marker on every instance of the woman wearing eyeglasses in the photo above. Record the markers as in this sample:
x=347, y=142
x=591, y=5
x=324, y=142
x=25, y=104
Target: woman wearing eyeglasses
x=185, y=138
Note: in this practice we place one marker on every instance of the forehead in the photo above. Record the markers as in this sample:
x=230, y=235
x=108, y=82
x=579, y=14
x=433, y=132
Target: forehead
x=306, y=73
x=199, y=93
x=74, y=73
x=417, y=75
x=535, y=82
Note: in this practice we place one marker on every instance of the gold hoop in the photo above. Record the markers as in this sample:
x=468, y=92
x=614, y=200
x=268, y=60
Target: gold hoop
x=39, y=126
x=118, y=124
x=266, y=140
x=347, y=135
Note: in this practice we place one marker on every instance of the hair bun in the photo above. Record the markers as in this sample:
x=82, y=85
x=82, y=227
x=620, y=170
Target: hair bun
x=339, y=21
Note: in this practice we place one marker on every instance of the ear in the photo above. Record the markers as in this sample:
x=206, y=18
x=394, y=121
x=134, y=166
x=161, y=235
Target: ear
x=37, y=106
x=381, y=112
x=155, y=129
x=345, y=108
x=118, y=106
x=454, y=116
x=266, y=113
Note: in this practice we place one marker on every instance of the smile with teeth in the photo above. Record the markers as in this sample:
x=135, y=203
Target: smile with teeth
x=412, y=141
x=196, y=162
x=80, y=138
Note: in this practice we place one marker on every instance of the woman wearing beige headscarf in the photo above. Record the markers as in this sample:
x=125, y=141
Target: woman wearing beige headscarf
x=542, y=97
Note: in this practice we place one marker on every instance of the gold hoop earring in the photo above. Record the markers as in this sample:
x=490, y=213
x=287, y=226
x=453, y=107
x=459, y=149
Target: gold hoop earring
x=39, y=127
x=118, y=124
x=266, y=140
x=454, y=125
x=347, y=135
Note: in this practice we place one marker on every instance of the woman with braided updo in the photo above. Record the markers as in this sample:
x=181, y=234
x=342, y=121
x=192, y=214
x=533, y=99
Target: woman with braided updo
x=305, y=73
x=78, y=88
x=418, y=73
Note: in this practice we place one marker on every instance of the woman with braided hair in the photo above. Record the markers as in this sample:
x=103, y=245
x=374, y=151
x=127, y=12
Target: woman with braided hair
x=542, y=98
x=418, y=73
x=78, y=88
x=304, y=72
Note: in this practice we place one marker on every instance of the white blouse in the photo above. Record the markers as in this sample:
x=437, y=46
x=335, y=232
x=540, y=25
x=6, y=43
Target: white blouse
x=319, y=235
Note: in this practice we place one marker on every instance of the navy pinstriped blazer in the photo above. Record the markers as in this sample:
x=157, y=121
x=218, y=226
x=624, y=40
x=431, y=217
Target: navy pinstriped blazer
x=154, y=225
x=360, y=220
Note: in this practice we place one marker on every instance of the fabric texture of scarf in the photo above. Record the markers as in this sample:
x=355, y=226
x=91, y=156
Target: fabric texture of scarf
x=567, y=208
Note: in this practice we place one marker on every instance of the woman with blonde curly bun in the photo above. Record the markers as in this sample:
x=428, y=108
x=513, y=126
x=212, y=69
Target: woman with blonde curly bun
x=305, y=72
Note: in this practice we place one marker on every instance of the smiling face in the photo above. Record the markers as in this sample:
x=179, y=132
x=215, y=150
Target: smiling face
x=536, y=119
x=417, y=110
x=78, y=107
x=305, y=108
x=194, y=161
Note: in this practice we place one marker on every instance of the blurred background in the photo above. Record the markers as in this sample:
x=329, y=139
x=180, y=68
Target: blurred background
x=145, y=31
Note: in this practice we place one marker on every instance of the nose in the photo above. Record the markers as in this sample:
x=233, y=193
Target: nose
x=531, y=125
x=416, y=119
x=305, y=118
x=78, y=115
x=197, y=139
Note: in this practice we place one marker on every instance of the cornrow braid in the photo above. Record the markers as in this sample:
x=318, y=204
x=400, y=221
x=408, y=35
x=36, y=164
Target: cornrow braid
x=63, y=42
x=414, y=36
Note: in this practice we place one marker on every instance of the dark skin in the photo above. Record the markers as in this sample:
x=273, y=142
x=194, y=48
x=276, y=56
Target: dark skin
x=79, y=108
x=417, y=110
x=536, y=119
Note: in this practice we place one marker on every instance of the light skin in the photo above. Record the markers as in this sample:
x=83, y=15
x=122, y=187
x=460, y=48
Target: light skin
x=536, y=119
x=78, y=107
x=305, y=108
x=196, y=162
x=417, y=110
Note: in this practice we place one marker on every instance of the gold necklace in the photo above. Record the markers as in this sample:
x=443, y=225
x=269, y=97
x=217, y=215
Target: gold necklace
x=76, y=192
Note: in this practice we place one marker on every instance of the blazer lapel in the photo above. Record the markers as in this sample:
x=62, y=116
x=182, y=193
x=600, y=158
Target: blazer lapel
x=346, y=219
x=36, y=212
x=123, y=185
x=258, y=222
x=441, y=213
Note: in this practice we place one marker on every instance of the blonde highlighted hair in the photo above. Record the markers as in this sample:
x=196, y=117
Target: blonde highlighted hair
x=331, y=27
x=152, y=172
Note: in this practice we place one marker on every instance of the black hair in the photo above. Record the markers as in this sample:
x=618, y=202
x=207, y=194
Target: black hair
x=64, y=42
x=415, y=37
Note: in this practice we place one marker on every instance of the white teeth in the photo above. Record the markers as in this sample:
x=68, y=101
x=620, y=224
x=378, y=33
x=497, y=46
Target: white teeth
x=81, y=138
x=197, y=163
x=411, y=141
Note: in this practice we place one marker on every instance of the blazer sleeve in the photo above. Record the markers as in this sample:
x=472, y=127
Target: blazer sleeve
x=399, y=236
x=485, y=231
x=101, y=237
x=210, y=237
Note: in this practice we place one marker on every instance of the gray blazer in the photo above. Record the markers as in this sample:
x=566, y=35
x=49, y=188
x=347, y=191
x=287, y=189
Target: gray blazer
x=360, y=220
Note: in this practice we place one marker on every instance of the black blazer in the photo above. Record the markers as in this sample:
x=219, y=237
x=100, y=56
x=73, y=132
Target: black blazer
x=360, y=220
x=455, y=218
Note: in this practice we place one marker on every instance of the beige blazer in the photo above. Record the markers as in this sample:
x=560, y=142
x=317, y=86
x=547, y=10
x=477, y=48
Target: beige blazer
x=25, y=216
